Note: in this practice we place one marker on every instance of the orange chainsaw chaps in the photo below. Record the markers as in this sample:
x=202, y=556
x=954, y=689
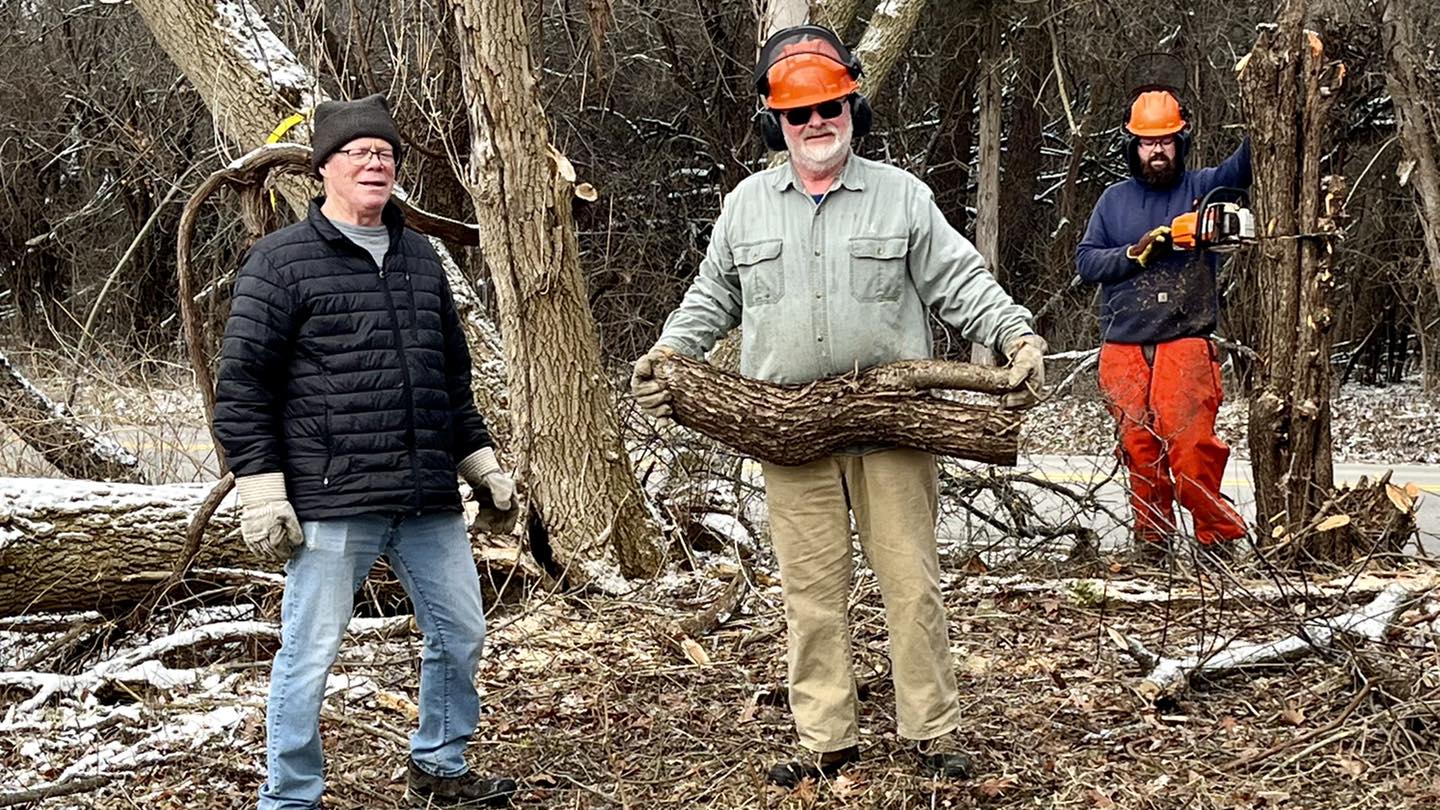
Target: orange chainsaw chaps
x=1182, y=230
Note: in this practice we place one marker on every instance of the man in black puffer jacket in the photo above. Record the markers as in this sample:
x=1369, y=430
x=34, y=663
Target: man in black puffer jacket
x=344, y=408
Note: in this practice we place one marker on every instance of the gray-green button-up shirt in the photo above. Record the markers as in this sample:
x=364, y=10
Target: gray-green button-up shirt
x=821, y=289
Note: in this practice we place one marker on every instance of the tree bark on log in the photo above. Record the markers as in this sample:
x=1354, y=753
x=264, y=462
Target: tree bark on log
x=888, y=405
x=568, y=444
x=1288, y=110
x=71, y=446
x=91, y=545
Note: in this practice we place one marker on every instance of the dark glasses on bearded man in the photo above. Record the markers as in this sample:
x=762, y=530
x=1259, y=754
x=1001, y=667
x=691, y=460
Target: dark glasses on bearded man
x=800, y=116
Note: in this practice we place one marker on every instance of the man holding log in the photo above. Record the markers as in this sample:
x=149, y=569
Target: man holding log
x=829, y=263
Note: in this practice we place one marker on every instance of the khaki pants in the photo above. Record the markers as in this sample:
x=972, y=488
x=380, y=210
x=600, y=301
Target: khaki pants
x=893, y=495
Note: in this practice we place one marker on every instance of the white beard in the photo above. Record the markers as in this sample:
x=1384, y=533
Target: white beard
x=821, y=160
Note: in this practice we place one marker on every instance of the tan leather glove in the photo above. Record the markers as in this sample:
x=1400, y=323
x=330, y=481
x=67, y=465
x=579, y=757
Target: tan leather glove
x=1027, y=371
x=494, y=491
x=268, y=524
x=652, y=395
x=1155, y=242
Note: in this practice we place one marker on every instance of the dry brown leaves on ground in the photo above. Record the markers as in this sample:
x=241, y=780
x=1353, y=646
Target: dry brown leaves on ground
x=591, y=707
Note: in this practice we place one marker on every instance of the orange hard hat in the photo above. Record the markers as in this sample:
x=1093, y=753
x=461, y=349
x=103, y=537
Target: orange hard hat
x=807, y=72
x=1154, y=115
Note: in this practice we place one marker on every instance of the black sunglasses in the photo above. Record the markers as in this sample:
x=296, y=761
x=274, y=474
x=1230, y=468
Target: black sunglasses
x=800, y=116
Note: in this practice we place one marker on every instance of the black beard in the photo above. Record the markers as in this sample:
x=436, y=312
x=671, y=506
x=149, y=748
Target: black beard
x=1163, y=177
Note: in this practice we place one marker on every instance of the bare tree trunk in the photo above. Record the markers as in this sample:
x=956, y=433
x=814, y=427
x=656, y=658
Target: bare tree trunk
x=71, y=446
x=781, y=14
x=1290, y=441
x=1417, y=120
x=251, y=81
x=568, y=437
x=987, y=205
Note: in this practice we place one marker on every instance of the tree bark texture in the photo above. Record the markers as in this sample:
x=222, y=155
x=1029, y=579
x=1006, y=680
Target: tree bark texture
x=885, y=405
x=987, y=205
x=1417, y=120
x=71, y=446
x=1290, y=441
x=568, y=445
x=90, y=545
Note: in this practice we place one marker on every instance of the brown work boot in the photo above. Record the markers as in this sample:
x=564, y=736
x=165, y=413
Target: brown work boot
x=465, y=790
x=942, y=758
x=812, y=766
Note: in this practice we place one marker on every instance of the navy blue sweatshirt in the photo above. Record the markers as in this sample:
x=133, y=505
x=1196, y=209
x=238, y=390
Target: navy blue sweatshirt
x=1175, y=297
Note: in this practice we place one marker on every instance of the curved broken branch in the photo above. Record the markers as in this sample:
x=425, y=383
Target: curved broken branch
x=885, y=405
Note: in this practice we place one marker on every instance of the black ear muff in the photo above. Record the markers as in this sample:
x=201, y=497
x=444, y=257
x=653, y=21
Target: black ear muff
x=770, y=130
x=861, y=116
x=1131, y=149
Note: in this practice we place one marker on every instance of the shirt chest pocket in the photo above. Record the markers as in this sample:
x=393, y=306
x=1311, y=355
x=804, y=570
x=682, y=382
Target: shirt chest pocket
x=762, y=273
x=877, y=267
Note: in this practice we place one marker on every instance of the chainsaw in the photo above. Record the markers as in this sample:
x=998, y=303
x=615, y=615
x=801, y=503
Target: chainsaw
x=1221, y=223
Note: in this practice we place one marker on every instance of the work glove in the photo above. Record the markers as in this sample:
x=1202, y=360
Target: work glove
x=1156, y=242
x=267, y=520
x=652, y=395
x=1027, y=371
x=494, y=491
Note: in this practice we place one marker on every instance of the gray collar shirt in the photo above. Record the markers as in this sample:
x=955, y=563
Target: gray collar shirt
x=821, y=289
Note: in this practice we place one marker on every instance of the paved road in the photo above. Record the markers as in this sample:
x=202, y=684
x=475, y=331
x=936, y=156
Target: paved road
x=1237, y=484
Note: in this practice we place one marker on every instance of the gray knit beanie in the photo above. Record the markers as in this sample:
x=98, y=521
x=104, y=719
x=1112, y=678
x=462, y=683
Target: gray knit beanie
x=340, y=122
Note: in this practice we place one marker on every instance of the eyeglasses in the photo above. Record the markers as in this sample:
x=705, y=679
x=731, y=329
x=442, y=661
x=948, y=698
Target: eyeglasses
x=359, y=157
x=1157, y=143
x=800, y=116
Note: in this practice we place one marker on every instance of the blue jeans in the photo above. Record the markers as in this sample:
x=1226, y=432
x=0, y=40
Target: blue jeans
x=431, y=556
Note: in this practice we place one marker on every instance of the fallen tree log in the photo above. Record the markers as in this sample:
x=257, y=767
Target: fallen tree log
x=891, y=404
x=88, y=545
x=71, y=446
x=1168, y=676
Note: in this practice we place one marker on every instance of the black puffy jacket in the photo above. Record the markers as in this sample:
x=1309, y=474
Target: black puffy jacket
x=351, y=379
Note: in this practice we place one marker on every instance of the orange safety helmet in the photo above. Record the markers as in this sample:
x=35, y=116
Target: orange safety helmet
x=1154, y=115
x=805, y=75
x=805, y=65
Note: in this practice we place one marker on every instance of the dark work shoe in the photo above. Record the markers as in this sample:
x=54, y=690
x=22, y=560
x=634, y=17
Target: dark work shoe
x=1152, y=553
x=1216, y=558
x=465, y=790
x=941, y=758
x=815, y=766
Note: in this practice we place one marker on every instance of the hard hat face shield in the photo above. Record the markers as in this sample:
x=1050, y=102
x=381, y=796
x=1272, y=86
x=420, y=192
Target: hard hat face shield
x=804, y=66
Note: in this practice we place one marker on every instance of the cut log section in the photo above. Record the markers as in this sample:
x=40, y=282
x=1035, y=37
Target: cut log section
x=87, y=545
x=885, y=405
x=1168, y=676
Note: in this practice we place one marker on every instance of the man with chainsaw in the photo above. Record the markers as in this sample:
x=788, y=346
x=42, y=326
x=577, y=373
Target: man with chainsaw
x=830, y=263
x=1159, y=367
x=343, y=404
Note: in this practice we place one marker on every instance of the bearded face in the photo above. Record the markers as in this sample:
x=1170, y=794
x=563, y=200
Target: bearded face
x=820, y=145
x=1158, y=164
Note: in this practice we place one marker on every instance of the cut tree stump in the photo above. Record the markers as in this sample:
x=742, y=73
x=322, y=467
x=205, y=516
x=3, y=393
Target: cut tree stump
x=893, y=404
